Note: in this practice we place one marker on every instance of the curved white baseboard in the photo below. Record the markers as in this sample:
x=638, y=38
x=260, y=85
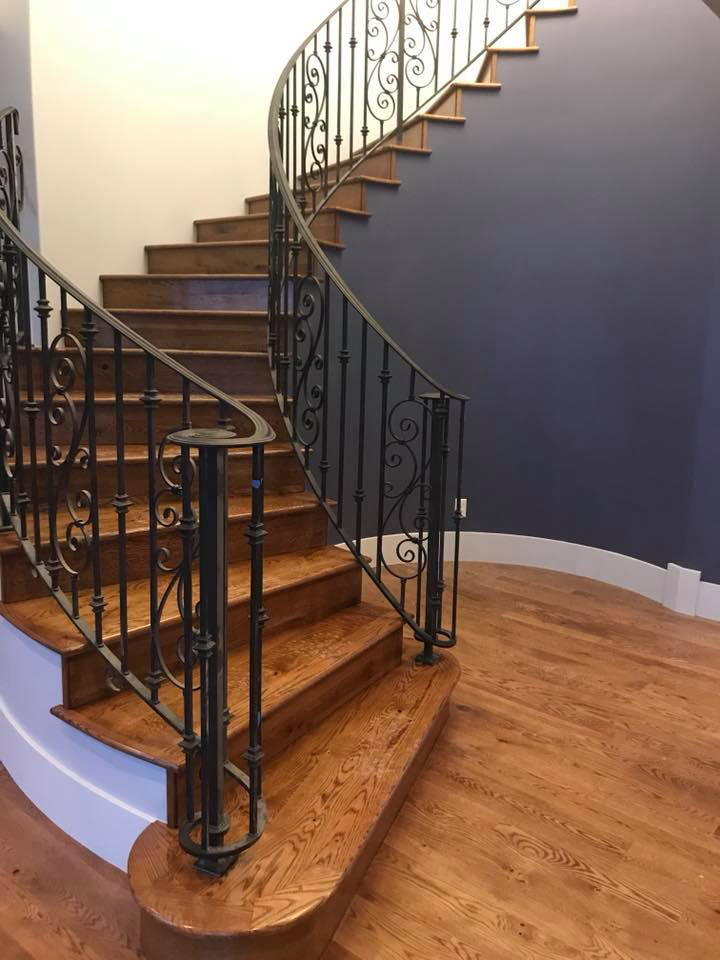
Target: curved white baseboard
x=677, y=588
x=99, y=796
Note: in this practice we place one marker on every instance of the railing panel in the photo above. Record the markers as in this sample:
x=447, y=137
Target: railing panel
x=56, y=422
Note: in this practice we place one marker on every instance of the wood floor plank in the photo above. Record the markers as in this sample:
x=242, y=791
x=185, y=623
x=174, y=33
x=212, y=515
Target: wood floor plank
x=570, y=810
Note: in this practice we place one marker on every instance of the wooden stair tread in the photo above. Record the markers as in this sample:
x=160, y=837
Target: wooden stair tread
x=294, y=659
x=165, y=397
x=514, y=51
x=185, y=313
x=222, y=244
x=330, y=208
x=170, y=351
x=443, y=118
x=356, y=178
x=331, y=797
x=137, y=522
x=43, y=619
x=552, y=12
x=466, y=85
x=137, y=452
x=185, y=276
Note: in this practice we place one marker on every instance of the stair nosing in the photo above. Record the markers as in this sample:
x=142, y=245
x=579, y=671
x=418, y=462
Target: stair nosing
x=387, y=625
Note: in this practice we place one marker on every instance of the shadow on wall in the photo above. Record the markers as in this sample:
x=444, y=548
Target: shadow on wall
x=714, y=6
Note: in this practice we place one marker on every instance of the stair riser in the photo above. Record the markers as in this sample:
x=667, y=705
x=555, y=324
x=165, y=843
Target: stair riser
x=251, y=374
x=326, y=226
x=285, y=533
x=301, y=713
x=209, y=333
x=196, y=259
x=84, y=678
x=186, y=293
x=229, y=259
x=351, y=195
x=376, y=165
x=450, y=104
x=283, y=473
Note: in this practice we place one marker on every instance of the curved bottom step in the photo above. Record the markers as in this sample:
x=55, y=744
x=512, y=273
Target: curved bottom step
x=331, y=799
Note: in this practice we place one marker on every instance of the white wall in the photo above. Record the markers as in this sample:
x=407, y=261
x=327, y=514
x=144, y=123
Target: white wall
x=151, y=114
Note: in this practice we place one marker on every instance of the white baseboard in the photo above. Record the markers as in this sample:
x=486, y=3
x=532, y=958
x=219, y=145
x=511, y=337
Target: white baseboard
x=99, y=796
x=677, y=588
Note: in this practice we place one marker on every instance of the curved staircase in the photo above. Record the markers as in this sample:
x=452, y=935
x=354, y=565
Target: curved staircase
x=348, y=715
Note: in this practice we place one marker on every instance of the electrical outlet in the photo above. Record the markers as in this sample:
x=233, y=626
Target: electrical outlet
x=463, y=507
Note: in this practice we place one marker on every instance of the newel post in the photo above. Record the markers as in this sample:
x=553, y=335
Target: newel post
x=434, y=583
x=211, y=640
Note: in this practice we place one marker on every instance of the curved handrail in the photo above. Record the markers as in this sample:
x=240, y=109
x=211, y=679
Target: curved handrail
x=262, y=431
x=361, y=65
x=52, y=486
x=288, y=193
x=306, y=233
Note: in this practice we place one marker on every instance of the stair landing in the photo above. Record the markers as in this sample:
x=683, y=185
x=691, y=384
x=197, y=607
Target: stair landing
x=331, y=798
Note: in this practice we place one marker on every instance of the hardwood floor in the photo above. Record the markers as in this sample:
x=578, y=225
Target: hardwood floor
x=570, y=810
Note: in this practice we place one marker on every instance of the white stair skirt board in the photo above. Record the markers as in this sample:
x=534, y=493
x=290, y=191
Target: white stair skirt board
x=677, y=588
x=101, y=797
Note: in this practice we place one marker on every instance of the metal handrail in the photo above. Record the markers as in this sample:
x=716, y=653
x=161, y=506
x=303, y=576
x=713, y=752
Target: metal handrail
x=56, y=517
x=262, y=431
x=394, y=47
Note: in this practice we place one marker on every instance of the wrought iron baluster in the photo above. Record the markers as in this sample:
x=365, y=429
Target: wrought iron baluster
x=121, y=501
x=328, y=50
x=338, y=127
x=384, y=379
x=151, y=400
x=19, y=497
x=421, y=516
x=402, y=15
x=344, y=359
x=88, y=332
x=353, y=46
x=188, y=533
x=257, y=619
x=364, y=130
x=324, y=465
x=30, y=405
x=438, y=410
x=303, y=158
x=442, y=511
x=454, y=36
x=43, y=311
x=360, y=489
x=458, y=516
x=470, y=29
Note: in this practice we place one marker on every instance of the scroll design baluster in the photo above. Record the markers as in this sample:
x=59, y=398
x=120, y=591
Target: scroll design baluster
x=380, y=439
x=59, y=489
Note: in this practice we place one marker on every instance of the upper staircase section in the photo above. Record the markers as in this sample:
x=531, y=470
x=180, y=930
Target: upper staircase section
x=380, y=438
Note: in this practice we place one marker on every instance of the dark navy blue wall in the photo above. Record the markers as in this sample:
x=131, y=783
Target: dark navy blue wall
x=558, y=259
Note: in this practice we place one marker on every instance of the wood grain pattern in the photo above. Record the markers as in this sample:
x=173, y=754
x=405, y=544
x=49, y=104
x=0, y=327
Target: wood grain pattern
x=188, y=329
x=570, y=810
x=331, y=798
x=58, y=900
x=292, y=522
x=168, y=415
x=186, y=291
x=225, y=369
x=226, y=256
x=325, y=226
